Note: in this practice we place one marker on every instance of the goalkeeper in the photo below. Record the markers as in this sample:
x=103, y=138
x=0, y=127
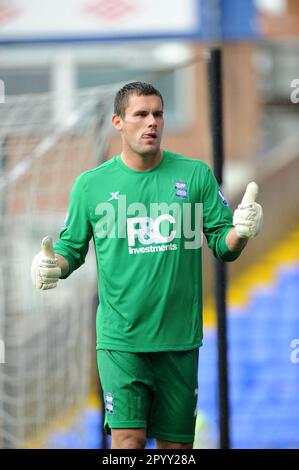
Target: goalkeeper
x=149, y=320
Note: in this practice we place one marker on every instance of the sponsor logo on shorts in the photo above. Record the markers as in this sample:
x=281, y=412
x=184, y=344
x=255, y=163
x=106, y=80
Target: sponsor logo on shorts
x=109, y=403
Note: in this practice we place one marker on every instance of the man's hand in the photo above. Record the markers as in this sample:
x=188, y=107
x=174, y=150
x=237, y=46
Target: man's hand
x=45, y=271
x=248, y=217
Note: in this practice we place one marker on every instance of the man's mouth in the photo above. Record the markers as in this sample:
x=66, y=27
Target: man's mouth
x=149, y=136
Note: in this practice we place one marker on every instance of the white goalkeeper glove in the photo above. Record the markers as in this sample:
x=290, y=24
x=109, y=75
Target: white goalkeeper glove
x=248, y=217
x=45, y=271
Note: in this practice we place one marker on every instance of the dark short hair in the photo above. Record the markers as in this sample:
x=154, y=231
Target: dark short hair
x=134, y=88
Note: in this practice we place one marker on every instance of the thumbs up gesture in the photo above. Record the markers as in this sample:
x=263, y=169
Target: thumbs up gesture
x=248, y=217
x=45, y=271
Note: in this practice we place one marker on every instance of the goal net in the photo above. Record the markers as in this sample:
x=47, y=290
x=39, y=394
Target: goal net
x=46, y=337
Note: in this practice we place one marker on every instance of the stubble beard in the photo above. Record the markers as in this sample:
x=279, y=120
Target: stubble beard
x=150, y=152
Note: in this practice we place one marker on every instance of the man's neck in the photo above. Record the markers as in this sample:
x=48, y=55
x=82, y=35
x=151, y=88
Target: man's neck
x=141, y=163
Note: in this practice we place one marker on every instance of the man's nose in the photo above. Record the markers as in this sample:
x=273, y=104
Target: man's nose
x=152, y=120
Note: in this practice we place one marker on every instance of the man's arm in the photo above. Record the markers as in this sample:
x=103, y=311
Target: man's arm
x=72, y=245
x=63, y=264
x=217, y=218
x=233, y=242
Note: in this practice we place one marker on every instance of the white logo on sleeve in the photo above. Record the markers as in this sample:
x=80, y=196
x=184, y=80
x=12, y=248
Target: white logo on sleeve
x=224, y=201
x=65, y=220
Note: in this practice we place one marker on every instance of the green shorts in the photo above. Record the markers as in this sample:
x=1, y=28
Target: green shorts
x=156, y=391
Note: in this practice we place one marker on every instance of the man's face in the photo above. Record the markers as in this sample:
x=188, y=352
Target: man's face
x=142, y=126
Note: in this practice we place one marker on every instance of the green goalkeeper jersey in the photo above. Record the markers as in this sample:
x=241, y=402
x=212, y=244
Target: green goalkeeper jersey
x=147, y=230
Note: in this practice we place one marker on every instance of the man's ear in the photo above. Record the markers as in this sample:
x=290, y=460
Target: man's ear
x=117, y=122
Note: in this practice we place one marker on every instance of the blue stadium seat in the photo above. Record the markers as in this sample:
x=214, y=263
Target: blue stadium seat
x=263, y=381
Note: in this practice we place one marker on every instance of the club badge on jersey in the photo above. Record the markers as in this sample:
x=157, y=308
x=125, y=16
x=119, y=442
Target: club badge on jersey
x=181, y=190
